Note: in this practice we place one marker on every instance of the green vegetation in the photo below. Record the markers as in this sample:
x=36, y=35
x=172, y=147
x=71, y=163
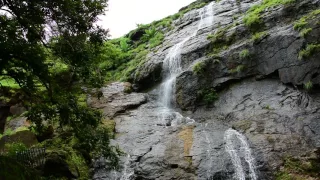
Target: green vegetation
x=244, y=54
x=238, y=69
x=12, y=149
x=220, y=40
x=308, y=85
x=252, y=18
x=258, y=36
x=10, y=169
x=309, y=51
x=300, y=24
x=305, y=31
x=207, y=95
x=45, y=70
x=296, y=169
x=198, y=68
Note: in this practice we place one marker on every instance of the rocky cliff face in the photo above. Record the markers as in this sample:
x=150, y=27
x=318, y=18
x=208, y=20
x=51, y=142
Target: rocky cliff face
x=266, y=77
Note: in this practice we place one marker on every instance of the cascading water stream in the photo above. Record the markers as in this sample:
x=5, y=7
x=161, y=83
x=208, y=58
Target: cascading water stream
x=127, y=172
x=245, y=150
x=172, y=62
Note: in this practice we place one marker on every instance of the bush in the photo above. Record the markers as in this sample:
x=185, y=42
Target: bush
x=244, y=54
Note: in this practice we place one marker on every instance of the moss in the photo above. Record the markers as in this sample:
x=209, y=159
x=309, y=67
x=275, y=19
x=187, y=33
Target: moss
x=238, y=69
x=309, y=51
x=10, y=169
x=65, y=146
x=242, y=125
x=299, y=168
x=244, y=54
x=252, y=18
x=187, y=136
x=259, y=36
x=198, y=68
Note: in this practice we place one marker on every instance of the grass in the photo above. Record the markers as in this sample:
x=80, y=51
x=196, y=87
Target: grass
x=252, y=19
x=300, y=24
x=208, y=95
x=305, y=31
x=310, y=50
x=258, y=36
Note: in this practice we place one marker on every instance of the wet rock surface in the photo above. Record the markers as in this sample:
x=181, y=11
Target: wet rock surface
x=264, y=101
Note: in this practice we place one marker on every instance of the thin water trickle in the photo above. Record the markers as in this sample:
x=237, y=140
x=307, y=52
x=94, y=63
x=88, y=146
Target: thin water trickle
x=172, y=62
x=127, y=171
x=244, y=150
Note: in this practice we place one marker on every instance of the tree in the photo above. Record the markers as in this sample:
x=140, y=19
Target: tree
x=37, y=35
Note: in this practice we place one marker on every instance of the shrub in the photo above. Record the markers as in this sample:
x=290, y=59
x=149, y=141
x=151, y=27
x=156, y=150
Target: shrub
x=309, y=51
x=244, y=54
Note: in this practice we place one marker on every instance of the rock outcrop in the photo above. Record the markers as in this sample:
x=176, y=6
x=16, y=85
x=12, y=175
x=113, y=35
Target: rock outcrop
x=263, y=82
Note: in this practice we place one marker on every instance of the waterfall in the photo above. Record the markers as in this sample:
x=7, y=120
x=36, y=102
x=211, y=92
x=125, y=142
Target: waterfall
x=244, y=149
x=127, y=172
x=172, y=62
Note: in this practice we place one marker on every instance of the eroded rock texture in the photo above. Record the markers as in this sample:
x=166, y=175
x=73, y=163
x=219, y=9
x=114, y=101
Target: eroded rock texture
x=264, y=99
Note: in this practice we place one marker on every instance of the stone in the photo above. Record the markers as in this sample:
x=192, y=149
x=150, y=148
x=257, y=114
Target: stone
x=56, y=166
x=17, y=109
x=26, y=137
x=263, y=100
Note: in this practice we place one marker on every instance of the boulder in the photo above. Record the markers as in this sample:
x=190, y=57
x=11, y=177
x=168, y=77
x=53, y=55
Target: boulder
x=57, y=166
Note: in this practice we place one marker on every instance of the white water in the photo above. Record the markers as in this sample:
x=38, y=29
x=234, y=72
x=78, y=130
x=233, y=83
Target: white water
x=245, y=150
x=172, y=62
x=127, y=172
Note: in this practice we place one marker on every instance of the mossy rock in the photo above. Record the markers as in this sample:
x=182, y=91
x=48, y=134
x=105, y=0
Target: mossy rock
x=57, y=166
x=26, y=137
